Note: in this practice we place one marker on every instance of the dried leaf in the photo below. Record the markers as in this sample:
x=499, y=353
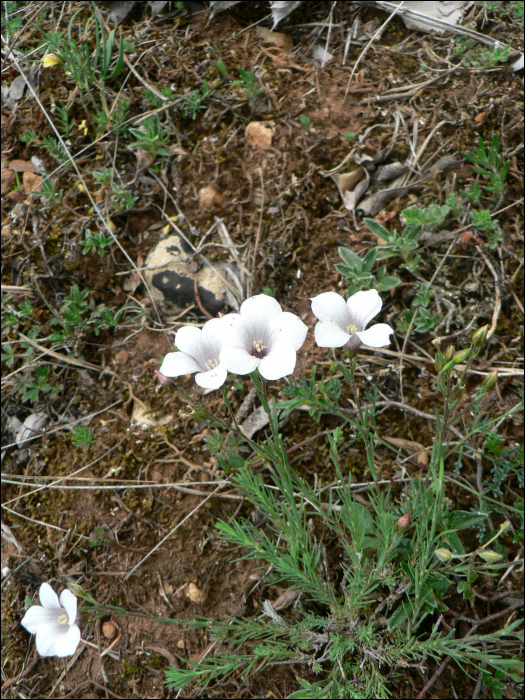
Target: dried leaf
x=390, y=171
x=286, y=599
x=413, y=448
x=194, y=593
x=373, y=204
x=120, y=9
x=143, y=417
x=350, y=199
x=320, y=54
x=450, y=12
x=257, y=420
x=22, y=166
x=32, y=182
x=282, y=9
x=221, y=5
x=32, y=425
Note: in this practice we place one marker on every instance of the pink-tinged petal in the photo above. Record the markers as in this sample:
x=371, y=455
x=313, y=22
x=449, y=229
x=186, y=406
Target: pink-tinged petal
x=289, y=328
x=37, y=617
x=213, y=379
x=363, y=306
x=162, y=377
x=279, y=362
x=46, y=638
x=188, y=339
x=328, y=334
x=67, y=641
x=377, y=336
x=177, y=363
x=238, y=361
x=69, y=602
x=48, y=597
x=331, y=306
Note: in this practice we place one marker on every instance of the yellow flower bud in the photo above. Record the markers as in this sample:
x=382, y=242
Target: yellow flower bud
x=491, y=381
x=450, y=353
x=50, y=60
x=461, y=356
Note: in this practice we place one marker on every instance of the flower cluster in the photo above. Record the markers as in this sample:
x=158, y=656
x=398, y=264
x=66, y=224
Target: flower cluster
x=263, y=337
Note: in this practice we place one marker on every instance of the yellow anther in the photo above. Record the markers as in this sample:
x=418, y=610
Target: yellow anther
x=351, y=329
x=62, y=619
x=211, y=364
x=258, y=345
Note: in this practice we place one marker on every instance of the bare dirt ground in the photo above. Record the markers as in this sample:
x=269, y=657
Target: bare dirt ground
x=286, y=219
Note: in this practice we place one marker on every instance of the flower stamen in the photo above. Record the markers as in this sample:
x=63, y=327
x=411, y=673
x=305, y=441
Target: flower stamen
x=351, y=329
x=259, y=348
x=62, y=619
x=211, y=364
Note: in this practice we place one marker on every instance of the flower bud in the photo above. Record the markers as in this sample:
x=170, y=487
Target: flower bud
x=404, y=521
x=504, y=527
x=163, y=379
x=480, y=336
x=440, y=362
x=450, y=353
x=461, y=355
x=437, y=342
x=491, y=381
x=50, y=60
x=490, y=556
x=443, y=554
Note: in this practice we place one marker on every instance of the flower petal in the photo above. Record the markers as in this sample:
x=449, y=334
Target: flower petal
x=260, y=308
x=289, y=328
x=328, y=334
x=279, y=362
x=188, y=339
x=232, y=330
x=46, y=638
x=212, y=333
x=67, y=641
x=213, y=379
x=331, y=306
x=177, y=363
x=377, y=336
x=238, y=360
x=363, y=306
x=37, y=617
x=48, y=597
x=68, y=601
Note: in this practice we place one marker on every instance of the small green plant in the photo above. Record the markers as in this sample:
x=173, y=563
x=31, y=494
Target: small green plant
x=51, y=196
x=431, y=216
x=395, y=244
x=194, y=101
x=477, y=56
x=121, y=199
x=269, y=290
x=358, y=272
x=490, y=165
x=250, y=85
x=482, y=220
x=83, y=437
x=96, y=243
x=155, y=101
x=151, y=138
x=34, y=382
x=350, y=135
x=222, y=68
x=11, y=19
x=75, y=54
x=112, y=120
x=306, y=122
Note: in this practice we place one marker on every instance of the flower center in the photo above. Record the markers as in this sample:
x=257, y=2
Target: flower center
x=258, y=349
x=62, y=619
x=351, y=329
x=211, y=364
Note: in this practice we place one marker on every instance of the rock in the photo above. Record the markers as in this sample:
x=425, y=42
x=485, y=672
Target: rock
x=194, y=593
x=171, y=277
x=32, y=182
x=109, y=630
x=209, y=198
x=8, y=179
x=260, y=134
x=282, y=41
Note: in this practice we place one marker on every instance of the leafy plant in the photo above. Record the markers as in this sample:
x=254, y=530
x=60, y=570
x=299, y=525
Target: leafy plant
x=482, y=220
x=306, y=122
x=34, y=382
x=50, y=194
x=490, y=165
x=402, y=245
x=192, y=103
x=477, y=56
x=83, y=437
x=358, y=272
x=96, y=243
x=431, y=216
x=250, y=85
x=151, y=138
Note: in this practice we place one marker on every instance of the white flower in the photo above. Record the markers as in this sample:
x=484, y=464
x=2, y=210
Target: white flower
x=343, y=323
x=53, y=622
x=199, y=352
x=262, y=337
